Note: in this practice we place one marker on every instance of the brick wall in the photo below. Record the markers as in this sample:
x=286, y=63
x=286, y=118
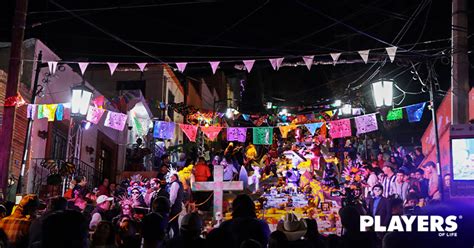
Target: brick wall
x=21, y=123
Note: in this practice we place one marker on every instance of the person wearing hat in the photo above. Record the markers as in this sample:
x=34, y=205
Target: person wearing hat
x=17, y=225
x=99, y=213
x=293, y=228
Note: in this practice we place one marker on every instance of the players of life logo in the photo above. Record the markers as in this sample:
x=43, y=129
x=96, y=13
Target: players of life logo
x=444, y=226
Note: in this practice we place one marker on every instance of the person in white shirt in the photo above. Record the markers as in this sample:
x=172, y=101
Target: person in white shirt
x=229, y=169
x=176, y=200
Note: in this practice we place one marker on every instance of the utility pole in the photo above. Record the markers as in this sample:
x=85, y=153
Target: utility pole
x=459, y=63
x=14, y=68
x=26, y=147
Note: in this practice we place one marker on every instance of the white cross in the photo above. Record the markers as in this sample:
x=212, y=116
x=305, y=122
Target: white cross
x=218, y=186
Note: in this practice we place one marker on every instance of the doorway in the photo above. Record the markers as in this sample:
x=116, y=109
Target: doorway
x=106, y=157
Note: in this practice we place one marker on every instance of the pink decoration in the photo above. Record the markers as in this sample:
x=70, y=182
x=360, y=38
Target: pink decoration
x=190, y=131
x=211, y=132
x=115, y=120
x=366, y=123
x=112, y=67
x=276, y=63
x=31, y=111
x=218, y=186
x=236, y=134
x=391, y=53
x=249, y=64
x=364, y=54
x=181, y=66
x=335, y=57
x=141, y=66
x=83, y=66
x=94, y=114
x=340, y=128
x=214, y=65
x=308, y=60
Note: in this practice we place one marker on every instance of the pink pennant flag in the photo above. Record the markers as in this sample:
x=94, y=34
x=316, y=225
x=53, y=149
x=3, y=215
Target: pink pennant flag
x=340, y=128
x=214, y=65
x=112, y=67
x=249, y=64
x=366, y=123
x=211, y=132
x=190, y=131
x=115, y=120
x=94, y=114
x=335, y=57
x=391, y=52
x=276, y=63
x=364, y=54
x=52, y=65
x=83, y=66
x=141, y=66
x=181, y=66
x=308, y=60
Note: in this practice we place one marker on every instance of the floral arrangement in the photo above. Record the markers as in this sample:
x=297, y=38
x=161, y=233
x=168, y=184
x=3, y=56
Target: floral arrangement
x=353, y=173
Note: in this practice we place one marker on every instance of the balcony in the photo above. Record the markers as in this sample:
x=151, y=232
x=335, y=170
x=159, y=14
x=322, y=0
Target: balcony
x=49, y=176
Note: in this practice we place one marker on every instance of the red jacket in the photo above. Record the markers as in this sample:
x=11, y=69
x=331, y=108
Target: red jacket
x=201, y=172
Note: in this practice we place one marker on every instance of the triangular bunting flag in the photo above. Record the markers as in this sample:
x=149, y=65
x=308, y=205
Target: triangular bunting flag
x=308, y=60
x=115, y=120
x=190, y=131
x=335, y=57
x=364, y=54
x=214, y=65
x=366, y=123
x=181, y=66
x=284, y=130
x=83, y=66
x=391, y=53
x=211, y=132
x=94, y=114
x=312, y=127
x=249, y=64
x=246, y=117
x=52, y=65
x=141, y=66
x=415, y=112
x=276, y=63
x=112, y=67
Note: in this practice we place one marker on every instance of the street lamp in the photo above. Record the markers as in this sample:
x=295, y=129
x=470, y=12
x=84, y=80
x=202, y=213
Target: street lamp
x=81, y=98
x=383, y=93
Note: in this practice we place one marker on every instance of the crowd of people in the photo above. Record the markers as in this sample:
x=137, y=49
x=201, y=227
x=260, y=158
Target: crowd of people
x=151, y=212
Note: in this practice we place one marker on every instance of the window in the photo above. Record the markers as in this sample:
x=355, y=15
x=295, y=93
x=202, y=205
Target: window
x=170, y=100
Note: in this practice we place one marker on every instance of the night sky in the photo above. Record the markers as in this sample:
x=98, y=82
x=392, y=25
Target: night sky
x=206, y=30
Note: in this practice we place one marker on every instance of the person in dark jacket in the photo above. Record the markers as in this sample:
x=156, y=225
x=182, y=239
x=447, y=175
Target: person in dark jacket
x=380, y=206
x=244, y=224
x=154, y=224
x=190, y=231
x=176, y=200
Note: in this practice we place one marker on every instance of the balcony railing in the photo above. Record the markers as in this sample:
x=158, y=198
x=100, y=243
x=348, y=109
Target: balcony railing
x=59, y=173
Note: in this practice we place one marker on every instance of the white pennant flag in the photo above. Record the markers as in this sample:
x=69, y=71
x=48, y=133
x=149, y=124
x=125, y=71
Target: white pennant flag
x=335, y=57
x=276, y=63
x=181, y=66
x=249, y=64
x=308, y=60
x=214, y=65
x=391, y=53
x=364, y=54
x=52, y=65
x=141, y=66
x=112, y=67
x=83, y=66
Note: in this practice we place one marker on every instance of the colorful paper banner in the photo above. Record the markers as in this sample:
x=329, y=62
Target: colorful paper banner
x=366, y=123
x=190, y=131
x=415, y=112
x=312, y=127
x=395, y=114
x=263, y=135
x=115, y=120
x=211, y=132
x=94, y=114
x=340, y=128
x=236, y=134
x=163, y=130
